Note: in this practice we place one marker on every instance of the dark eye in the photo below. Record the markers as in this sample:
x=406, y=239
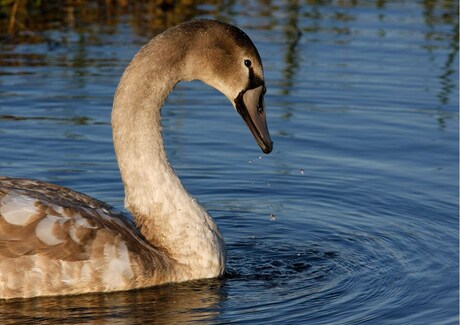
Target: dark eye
x=247, y=63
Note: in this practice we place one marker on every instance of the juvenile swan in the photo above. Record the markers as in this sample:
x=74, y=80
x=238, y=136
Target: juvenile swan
x=55, y=241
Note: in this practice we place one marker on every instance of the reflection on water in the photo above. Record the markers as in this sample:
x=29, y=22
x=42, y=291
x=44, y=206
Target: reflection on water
x=292, y=35
x=27, y=18
x=171, y=304
x=31, y=22
x=78, y=120
x=436, y=14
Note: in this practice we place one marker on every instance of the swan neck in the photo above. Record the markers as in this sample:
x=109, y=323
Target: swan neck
x=166, y=214
x=137, y=134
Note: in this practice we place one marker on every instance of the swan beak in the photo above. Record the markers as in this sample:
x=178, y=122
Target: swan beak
x=250, y=105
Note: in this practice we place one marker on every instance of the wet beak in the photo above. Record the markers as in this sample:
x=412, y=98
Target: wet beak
x=250, y=105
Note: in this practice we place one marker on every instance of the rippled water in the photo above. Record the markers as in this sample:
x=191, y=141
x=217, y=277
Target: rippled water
x=354, y=216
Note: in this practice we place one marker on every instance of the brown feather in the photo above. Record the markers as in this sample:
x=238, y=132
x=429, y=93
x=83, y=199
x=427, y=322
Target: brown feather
x=81, y=230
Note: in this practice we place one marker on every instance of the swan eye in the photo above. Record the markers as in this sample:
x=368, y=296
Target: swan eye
x=247, y=63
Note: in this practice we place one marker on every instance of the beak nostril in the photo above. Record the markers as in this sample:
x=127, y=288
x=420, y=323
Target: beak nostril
x=260, y=109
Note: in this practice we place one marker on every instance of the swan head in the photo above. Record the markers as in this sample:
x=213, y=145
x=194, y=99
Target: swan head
x=225, y=58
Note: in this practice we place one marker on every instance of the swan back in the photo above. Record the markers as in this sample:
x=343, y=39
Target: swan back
x=67, y=242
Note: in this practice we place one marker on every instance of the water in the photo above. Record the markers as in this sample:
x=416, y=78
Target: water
x=353, y=218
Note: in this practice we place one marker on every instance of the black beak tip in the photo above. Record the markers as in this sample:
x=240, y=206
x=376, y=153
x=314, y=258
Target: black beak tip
x=268, y=149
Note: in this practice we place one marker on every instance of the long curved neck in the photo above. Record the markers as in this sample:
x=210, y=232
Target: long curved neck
x=167, y=215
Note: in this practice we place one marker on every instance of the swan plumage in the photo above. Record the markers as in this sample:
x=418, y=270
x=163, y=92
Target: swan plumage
x=55, y=241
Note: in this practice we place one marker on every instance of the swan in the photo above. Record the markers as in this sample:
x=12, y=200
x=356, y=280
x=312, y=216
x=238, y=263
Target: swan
x=55, y=241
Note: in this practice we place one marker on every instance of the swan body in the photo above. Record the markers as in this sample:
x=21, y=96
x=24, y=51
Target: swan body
x=55, y=241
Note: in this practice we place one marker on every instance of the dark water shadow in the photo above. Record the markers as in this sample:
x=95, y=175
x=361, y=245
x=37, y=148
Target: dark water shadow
x=75, y=120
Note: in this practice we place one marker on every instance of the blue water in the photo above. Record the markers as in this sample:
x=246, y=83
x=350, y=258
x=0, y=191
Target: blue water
x=354, y=216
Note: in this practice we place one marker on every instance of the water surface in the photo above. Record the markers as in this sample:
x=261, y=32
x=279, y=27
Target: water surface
x=353, y=218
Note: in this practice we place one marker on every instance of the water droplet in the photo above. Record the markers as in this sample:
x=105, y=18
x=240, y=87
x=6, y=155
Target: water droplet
x=272, y=217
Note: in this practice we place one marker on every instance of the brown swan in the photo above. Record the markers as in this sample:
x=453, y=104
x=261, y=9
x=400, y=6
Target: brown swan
x=55, y=241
